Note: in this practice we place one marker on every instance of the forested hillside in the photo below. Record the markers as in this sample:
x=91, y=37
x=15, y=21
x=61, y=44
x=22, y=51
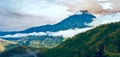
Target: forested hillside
x=103, y=41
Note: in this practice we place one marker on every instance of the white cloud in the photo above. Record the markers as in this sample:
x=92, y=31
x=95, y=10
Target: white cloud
x=104, y=19
x=24, y=35
x=68, y=33
x=23, y=14
x=106, y=5
x=64, y=33
x=93, y=6
x=102, y=0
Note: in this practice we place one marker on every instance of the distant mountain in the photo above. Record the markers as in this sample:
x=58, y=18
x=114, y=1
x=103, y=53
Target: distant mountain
x=102, y=41
x=72, y=22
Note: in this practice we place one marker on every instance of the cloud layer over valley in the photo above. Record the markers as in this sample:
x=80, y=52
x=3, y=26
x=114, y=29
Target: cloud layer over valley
x=63, y=33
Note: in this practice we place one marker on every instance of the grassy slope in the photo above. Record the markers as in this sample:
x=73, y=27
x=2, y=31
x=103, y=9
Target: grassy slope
x=102, y=41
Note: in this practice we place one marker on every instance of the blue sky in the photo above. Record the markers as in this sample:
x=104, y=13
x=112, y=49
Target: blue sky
x=23, y=14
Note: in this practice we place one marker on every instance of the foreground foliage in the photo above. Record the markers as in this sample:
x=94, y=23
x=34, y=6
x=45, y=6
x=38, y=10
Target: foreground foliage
x=102, y=41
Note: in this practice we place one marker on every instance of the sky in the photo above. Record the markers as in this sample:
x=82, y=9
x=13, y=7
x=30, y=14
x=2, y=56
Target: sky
x=18, y=15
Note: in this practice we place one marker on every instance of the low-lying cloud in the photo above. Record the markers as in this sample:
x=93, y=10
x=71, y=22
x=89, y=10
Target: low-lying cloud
x=104, y=19
x=68, y=33
x=24, y=35
x=64, y=33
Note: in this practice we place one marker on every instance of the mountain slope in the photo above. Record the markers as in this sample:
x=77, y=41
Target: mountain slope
x=72, y=22
x=4, y=43
x=102, y=41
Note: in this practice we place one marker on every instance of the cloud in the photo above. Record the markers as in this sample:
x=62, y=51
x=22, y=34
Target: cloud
x=33, y=7
x=93, y=6
x=106, y=5
x=64, y=33
x=19, y=15
x=68, y=33
x=24, y=35
x=13, y=21
x=104, y=19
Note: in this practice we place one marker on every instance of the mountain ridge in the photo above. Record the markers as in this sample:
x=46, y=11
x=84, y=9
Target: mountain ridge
x=72, y=22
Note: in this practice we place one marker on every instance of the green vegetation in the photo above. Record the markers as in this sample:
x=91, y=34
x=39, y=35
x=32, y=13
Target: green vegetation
x=102, y=41
x=24, y=51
